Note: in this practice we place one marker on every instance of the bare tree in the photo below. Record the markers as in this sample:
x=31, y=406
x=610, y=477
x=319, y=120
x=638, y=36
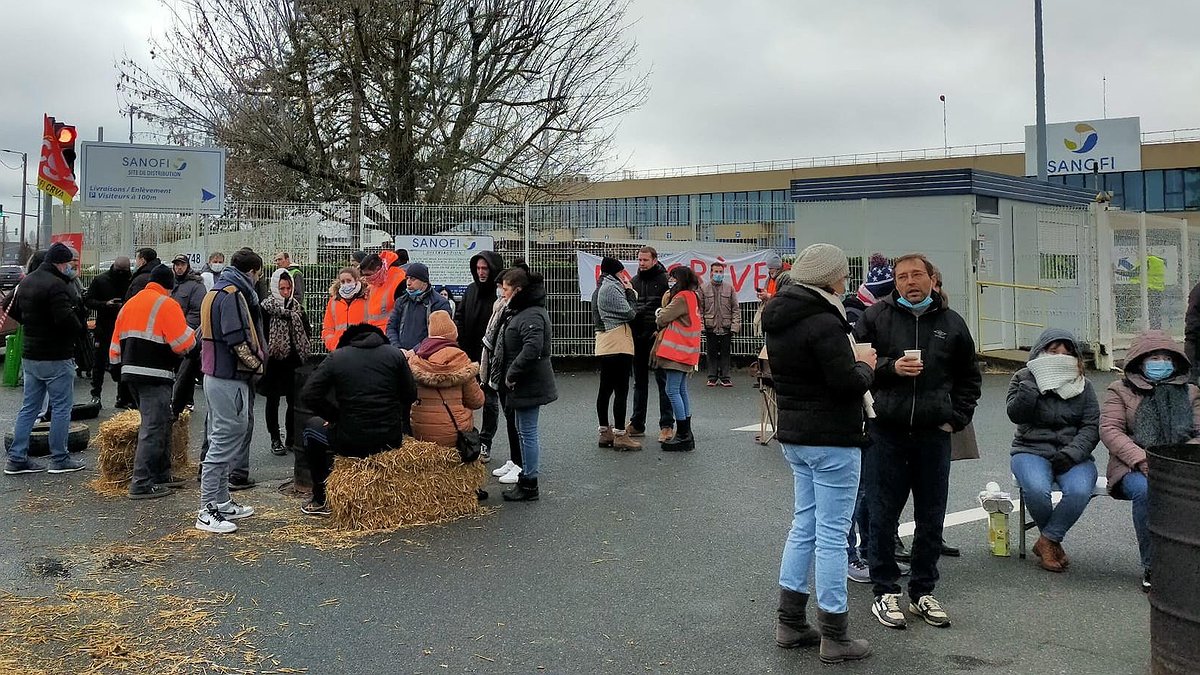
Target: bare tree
x=407, y=100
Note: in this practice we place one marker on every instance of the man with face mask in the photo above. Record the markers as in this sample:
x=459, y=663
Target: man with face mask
x=722, y=320
x=385, y=284
x=44, y=303
x=210, y=272
x=105, y=296
x=927, y=383
x=409, y=321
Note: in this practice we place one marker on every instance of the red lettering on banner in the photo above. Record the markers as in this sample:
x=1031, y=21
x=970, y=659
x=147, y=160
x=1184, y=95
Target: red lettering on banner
x=761, y=275
x=738, y=280
x=699, y=267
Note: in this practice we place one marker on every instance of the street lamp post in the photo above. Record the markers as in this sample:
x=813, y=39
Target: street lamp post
x=24, y=186
x=1040, y=76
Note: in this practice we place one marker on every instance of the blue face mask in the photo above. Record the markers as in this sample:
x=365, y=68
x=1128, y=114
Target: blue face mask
x=415, y=295
x=1156, y=371
x=718, y=278
x=920, y=305
x=70, y=272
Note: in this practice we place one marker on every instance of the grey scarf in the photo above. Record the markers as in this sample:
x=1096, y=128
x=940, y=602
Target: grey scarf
x=1165, y=417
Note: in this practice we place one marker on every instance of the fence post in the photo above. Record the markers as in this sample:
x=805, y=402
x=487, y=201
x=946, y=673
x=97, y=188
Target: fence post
x=196, y=224
x=1144, y=277
x=1185, y=260
x=1106, y=317
x=127, y=241
x=527, y=217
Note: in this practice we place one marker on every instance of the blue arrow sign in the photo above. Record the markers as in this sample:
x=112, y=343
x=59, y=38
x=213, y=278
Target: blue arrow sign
x=205, y=195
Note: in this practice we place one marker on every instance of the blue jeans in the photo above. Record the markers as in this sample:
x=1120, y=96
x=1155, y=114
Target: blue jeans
x=856, y=550
x=1135, y=488
x=55, y=379
x=527, y=429
x=677, y=393
x=826, y=487
x=1035, y=476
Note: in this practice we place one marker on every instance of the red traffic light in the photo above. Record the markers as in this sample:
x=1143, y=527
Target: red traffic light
x=66, y=134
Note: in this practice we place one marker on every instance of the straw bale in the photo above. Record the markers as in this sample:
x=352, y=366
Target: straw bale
x=117, y=442
x=419, y=483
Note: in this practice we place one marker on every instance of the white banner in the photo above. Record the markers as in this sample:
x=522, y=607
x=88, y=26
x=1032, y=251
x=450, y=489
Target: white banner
x=747, y=273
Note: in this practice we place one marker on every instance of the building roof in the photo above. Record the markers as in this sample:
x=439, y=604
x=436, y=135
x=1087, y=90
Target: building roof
x=938, y=183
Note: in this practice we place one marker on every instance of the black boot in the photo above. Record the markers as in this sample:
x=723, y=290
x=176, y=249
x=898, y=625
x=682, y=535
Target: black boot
x=526, y=490
x=682, y=441
x=792, y=629
x=836, y=646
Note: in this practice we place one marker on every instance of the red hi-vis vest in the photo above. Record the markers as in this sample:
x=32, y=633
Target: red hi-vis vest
x=680, y=343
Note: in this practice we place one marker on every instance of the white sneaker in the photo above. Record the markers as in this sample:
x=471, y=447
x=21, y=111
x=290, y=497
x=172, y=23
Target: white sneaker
x=508, y=466
x=511, y=477
x=232, y=510
x=209, y=519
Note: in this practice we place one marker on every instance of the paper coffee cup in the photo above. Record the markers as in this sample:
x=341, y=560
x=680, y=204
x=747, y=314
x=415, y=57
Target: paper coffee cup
x=913, y=354
x=861, y=350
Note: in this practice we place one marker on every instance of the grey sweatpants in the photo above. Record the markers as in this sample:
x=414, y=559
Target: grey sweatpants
x=228, y=426
x=152, y=461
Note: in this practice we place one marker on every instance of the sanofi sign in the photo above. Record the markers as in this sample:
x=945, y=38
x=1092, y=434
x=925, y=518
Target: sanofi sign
x=1090, y=146
x=161, y=178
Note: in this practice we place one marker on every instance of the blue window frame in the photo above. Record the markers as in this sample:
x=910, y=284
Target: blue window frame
x=1173, y=189
x=1135, y=191
x=1155, y=190
x=1191, y=189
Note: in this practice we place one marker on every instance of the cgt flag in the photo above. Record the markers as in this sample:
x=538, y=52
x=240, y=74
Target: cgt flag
x=54, y=177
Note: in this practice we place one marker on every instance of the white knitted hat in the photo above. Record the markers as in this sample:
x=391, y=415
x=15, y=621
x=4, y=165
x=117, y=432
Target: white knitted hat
x=820, y=265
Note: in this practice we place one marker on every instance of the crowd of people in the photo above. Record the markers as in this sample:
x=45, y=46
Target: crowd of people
x=888, y=366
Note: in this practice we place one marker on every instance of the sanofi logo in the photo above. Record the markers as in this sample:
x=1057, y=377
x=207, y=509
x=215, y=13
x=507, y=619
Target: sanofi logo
x=1088, y=138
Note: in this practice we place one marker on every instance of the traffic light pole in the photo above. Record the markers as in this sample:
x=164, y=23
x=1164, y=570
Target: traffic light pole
x=24, y=185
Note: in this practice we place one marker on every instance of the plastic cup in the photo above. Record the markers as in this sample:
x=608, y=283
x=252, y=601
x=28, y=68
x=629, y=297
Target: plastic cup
x=912, y=354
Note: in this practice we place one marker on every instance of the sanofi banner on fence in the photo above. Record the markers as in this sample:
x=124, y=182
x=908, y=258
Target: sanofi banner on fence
x=747, y=273
x=1102, y=146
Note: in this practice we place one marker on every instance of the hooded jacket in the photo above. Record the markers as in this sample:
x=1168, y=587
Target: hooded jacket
x=1048, y=424
x=189, y=293
x=110, y=285
x=650, y=286
x=472, y=314
x=448, y=377
x=525, y=350
x=234, y=318
x=365, y=389
x=819, y=383
x=48, y=307
x=408, y=323
x=1124, y=397
x=948, y=388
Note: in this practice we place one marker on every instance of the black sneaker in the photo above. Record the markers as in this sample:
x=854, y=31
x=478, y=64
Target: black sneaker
x=1145, y=580
x=67, y=465
x=154, y=492
x=277, y=448
x=485, y=453
x=931, y=610
x=170, y=482
x=12, y=468
x=96, y=401
x=886, y=609
x=235, y=486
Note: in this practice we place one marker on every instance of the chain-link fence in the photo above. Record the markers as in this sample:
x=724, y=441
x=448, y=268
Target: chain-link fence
x=321, y=237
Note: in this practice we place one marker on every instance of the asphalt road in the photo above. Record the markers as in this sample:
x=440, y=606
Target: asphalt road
x=630, y=563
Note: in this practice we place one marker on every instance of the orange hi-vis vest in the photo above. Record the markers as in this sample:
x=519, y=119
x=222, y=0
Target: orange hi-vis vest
x=340, y=315
x=680, y=343
x=150, y=334
x=383, y=298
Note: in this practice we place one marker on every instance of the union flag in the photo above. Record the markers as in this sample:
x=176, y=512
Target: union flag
x=54, y=176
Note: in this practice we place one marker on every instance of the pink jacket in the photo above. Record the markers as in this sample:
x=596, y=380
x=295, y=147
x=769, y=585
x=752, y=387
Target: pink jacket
x=1123, y=398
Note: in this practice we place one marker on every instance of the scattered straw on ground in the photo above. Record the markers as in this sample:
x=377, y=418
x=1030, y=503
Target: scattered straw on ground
x=419, y=483
x=117, y=442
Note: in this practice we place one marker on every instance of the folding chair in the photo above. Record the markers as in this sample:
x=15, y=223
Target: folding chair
x=1099, y=490
x=768, y=418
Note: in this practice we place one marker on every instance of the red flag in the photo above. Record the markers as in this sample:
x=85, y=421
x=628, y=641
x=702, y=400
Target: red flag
x=54, y=176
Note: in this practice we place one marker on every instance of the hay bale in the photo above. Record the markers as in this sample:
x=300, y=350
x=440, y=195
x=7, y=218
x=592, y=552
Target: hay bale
x=117, y=442
x=417, y=484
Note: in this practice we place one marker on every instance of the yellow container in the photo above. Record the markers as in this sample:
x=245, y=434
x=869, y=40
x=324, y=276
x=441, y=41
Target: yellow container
x=998, y=534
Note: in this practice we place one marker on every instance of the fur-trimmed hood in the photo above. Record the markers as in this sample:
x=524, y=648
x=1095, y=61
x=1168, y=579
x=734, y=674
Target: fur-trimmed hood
x=448, y=367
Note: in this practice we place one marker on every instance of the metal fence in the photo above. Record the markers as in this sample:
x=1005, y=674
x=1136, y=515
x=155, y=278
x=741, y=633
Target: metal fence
x=321, y=237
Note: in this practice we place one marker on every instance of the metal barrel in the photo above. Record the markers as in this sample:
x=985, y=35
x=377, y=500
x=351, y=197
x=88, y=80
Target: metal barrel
x=1175, y=542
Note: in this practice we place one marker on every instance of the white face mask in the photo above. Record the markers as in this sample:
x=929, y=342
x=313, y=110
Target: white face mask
x=349, y=290
x=216, y=267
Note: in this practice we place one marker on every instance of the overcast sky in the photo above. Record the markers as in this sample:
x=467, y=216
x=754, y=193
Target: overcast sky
x=733, y=81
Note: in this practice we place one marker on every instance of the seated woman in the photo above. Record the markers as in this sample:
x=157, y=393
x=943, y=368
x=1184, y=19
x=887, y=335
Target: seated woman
x=447, y=384
x=361, y=394
x=1058, y=425
x=1153, y=404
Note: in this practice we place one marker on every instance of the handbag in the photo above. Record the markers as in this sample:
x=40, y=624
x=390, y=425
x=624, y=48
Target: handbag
x=466, y=442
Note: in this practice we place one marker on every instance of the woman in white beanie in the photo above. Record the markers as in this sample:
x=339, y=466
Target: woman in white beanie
x=822, y=382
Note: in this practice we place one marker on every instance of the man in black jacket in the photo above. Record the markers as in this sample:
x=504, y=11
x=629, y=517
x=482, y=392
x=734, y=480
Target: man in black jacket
x=45, y=304
x=361, y=395
x=472, y=318
x=146, y=260
x=650, y=284
x=927, y=383
x=105, y=296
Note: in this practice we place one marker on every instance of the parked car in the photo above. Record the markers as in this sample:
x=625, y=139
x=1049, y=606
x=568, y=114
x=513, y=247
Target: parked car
x=10, y=276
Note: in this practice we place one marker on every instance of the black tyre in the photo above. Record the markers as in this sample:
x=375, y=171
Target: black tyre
x=85, y=411
x=78, y=438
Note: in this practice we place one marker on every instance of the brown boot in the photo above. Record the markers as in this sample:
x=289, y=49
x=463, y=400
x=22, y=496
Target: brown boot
x=1043, y=548
x=606, y=437
x=622, y=441
x=633, y=431
x=665, y=434
x=1060, y=555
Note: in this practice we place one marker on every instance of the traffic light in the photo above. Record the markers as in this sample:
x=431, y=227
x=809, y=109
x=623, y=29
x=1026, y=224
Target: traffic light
x=66, y=139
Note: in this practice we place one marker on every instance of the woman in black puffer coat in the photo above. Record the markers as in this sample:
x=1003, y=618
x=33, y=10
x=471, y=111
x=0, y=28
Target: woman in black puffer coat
x=822, y=382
